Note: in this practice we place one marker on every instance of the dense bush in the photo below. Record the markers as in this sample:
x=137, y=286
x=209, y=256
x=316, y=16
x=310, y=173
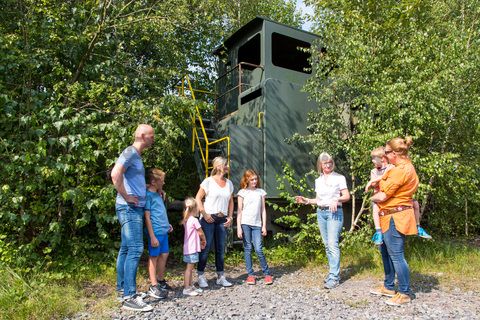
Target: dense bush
x=76, y=78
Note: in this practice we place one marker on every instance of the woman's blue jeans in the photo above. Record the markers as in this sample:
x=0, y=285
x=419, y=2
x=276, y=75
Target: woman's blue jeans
x=393, y=257
x=131, y=247
x=253, y=235
x=214, y=232
x=330, y=224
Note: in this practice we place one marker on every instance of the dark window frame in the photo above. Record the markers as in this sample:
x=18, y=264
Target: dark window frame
x=285, y=53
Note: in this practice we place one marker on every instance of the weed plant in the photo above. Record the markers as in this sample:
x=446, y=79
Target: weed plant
x=33, y=298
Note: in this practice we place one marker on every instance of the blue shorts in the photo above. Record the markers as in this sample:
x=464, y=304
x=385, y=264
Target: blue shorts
x=190, y=258
x=162, y=246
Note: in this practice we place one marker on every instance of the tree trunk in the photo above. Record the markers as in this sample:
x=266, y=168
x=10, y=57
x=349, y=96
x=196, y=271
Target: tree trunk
x=353, y=198
x=466, y=217
x=363, y=208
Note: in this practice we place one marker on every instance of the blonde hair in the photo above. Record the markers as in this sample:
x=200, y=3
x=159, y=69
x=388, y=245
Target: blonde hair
x=324, y=157
x=216, y=162
x=189, y=207
x=400, y=145
x=246, y=176
x=154, y=174
x=378, y=152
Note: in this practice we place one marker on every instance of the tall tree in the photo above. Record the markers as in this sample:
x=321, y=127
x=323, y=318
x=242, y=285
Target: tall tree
x=396, y=68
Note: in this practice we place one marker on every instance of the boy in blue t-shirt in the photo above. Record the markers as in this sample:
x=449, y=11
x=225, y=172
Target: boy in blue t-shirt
x=157, y=227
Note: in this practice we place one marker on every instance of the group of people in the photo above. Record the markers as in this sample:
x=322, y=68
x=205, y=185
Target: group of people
x=206, y=217
x=140, y=205
x=395, y=214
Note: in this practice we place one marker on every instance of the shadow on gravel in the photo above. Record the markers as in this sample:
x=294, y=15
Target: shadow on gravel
x=277, y=272
x=423, y=283
x=363, y=263
x=236, y=276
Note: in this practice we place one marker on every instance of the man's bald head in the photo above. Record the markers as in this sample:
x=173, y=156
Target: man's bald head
x=144, y=136
x=142, y=129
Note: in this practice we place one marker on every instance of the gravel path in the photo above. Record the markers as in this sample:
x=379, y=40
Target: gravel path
x=299, y=294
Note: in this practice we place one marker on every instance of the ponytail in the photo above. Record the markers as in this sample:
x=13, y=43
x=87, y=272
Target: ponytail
x=190, y=205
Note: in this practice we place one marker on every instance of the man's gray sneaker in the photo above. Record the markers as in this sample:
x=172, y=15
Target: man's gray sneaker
x=157, y=292
x=135, y=303
x=121, y=298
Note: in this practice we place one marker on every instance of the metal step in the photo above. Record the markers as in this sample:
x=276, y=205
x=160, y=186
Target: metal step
x=210, y=131
x=207, y=122
x=202, y=139
x=214, y=151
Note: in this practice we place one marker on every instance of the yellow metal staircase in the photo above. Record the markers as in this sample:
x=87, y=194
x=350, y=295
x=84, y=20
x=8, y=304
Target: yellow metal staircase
x=202, y=138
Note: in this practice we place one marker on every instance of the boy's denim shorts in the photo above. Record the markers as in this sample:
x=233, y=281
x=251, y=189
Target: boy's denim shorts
x=190, y=258
x=162, y=245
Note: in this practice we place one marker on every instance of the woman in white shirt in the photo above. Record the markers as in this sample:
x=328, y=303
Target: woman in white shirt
x=331, y=191
x=217, y=215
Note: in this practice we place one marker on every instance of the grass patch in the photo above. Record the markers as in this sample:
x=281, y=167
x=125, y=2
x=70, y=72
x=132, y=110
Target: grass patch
x=30, y=299
x=452, y=263
x=57, y=295
x=448, y=263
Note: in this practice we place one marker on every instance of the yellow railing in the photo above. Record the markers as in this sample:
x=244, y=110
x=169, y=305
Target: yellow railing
x=195, y=137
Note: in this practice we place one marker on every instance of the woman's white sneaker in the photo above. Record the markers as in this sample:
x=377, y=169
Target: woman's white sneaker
x=191, y=292
x=199, y=290
x=223, y=282
x=202, y=282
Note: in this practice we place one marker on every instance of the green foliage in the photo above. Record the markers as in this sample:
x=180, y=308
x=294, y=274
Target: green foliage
x=290, y=254
x=359, y=238
x=456, y=259
x=301, y=226
x=22, y=298
x=76, y=78
x=242, y=11
x=397, y=68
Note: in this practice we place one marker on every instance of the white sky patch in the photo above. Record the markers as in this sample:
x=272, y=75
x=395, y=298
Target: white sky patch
x=307, y=11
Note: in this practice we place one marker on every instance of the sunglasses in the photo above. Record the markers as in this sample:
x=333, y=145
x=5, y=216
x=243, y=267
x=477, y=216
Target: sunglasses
x=388, y=151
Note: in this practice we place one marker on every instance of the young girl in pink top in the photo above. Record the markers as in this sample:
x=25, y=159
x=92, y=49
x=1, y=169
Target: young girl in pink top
x=193, y=242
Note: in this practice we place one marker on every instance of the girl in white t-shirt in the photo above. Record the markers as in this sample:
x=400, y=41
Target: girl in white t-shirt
x=193, y=242
x=252, y=223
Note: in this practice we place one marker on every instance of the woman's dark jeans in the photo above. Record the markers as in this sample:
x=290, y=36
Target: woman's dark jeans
x=214, y=233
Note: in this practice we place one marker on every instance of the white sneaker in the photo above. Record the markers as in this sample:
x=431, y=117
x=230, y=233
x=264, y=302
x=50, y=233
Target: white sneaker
x=223, y=282
x=191, y=292
x=199, y=290
x=202, y=282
